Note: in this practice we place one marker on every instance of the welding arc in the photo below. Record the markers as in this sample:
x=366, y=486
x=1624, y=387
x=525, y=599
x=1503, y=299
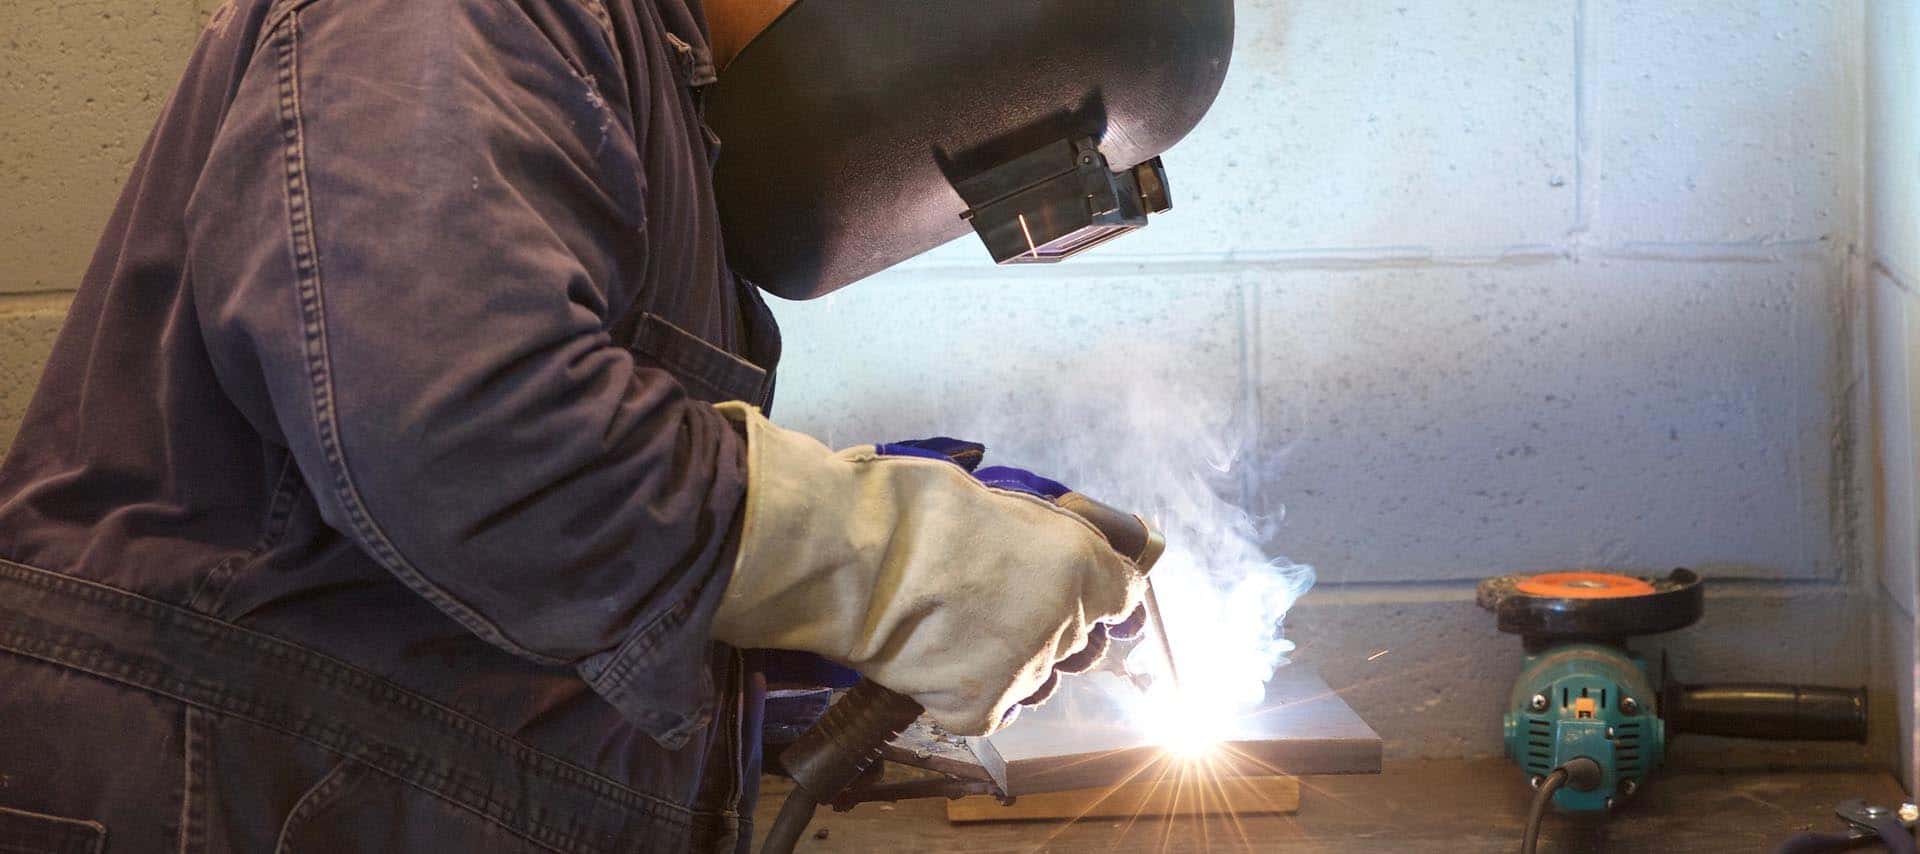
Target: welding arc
x=1160, y=632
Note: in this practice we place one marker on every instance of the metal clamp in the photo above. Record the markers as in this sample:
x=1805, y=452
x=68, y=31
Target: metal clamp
x=1864, y=819
x=1891, y=826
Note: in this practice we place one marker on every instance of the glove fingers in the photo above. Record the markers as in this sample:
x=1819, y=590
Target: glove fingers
x=1131, y=627
x=1039, y=695
x=1079, y=662
x=1087, y=656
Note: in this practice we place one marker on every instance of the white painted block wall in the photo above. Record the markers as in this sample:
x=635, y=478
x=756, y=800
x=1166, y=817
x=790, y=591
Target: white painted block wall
x=1496, y=287
x=1892, y=262
x=80, y=86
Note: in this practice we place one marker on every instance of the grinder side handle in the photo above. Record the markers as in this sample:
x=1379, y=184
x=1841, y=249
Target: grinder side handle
x=1762, y=710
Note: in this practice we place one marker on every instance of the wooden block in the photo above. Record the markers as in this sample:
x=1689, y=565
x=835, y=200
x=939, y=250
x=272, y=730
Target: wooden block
x=1192, y=796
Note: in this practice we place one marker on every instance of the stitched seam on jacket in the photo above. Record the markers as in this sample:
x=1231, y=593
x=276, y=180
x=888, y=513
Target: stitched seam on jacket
x=692, y=361
x=723, y=373
x=82, y=652
x=313, y=800
x=311, y=295
x=276, y=15
x=642, y=642
x=63, y=835
x=566, y=841
x=279, y=507
x=210, y=592
x=193, y=796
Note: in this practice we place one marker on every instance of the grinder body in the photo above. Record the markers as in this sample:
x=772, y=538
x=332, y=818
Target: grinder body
x=1584, y=694
x=1592, y=700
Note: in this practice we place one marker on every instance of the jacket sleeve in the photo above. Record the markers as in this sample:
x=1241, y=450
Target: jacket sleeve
x=401, y=250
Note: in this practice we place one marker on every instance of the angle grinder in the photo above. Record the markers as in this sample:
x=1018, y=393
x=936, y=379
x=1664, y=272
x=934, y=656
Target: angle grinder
x=1586, y=722
x=846, y=740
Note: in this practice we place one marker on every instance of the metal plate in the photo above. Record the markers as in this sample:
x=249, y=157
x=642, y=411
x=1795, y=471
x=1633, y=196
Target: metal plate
x=1077, y=741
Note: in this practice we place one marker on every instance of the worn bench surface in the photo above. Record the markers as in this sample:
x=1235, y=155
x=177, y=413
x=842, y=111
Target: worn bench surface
x=1426, y=806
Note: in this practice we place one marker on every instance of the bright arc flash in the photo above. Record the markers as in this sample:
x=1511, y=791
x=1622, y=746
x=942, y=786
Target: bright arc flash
x=1226, y=641
x=1189, y=744
x=1184, y=729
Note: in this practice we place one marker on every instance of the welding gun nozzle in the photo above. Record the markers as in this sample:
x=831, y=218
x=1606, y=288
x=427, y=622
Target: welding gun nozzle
x=1158, y=625
x=1130, y=535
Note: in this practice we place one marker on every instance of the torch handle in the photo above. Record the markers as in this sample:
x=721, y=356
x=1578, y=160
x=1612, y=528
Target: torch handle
x=832, y=753
x=1159, y=626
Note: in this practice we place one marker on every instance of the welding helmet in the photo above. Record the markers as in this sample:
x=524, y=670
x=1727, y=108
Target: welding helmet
x=859, y=133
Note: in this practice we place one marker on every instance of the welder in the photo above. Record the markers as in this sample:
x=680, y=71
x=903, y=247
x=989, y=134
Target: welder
x=401, y=479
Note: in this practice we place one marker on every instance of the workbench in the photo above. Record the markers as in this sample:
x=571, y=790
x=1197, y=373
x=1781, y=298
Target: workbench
x=1413, y=806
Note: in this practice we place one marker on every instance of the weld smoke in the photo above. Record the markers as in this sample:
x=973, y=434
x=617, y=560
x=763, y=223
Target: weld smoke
x=1174, y=460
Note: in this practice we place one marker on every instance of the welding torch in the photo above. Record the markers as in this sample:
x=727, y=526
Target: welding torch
x=849, y=736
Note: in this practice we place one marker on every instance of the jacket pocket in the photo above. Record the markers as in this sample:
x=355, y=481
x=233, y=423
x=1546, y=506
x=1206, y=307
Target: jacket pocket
x=355, y=809
x=707, y=372
x=315, y=803
x=23, y=832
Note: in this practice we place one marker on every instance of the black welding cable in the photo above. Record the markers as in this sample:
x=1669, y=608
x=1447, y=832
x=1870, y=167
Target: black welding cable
x=1580, y=772
x=792, y=821
x=1530, y=842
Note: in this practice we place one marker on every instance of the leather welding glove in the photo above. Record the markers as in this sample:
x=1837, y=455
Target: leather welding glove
x=960, y=594
x=968, y=455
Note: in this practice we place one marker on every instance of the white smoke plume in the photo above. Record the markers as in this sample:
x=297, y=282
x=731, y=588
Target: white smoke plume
x=1178, y=462
x=1090, y=415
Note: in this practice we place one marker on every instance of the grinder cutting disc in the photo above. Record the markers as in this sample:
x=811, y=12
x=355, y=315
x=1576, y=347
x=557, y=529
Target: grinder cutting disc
x=1591, y=605
x=1583, y=585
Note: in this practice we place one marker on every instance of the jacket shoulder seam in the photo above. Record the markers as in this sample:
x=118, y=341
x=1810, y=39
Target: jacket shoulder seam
x=310, y=292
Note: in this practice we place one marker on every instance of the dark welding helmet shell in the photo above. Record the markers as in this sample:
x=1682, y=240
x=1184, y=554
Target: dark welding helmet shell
x=845, y=125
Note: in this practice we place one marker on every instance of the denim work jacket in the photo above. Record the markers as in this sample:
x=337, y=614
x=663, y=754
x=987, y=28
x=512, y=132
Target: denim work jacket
x=398, y=350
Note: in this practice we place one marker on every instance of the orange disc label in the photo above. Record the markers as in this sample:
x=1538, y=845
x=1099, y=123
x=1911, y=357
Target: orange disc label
x=1583, y=585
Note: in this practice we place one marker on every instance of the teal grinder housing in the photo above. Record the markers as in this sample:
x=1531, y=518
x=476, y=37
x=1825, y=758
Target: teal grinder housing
x=1585, y=699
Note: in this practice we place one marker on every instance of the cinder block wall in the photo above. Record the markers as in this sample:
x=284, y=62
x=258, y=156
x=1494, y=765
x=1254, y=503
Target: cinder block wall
x=1498, y=287
x=1892, y=265
x=80, y=84
x=1489, y=287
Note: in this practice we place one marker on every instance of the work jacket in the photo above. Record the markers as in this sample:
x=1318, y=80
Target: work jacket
x=372, y=499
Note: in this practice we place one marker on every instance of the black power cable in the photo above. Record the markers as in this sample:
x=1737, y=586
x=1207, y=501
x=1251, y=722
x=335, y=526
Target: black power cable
x=1530, y=842
x=792, y=821
x=1580, y=772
